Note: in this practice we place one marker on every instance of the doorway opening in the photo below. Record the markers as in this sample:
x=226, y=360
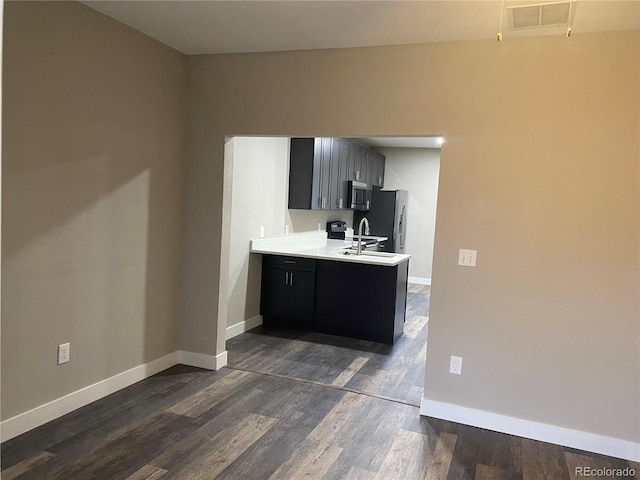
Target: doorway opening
x=255, y=205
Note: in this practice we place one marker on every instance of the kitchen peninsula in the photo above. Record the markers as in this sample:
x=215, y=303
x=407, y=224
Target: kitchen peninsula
x=323, y=285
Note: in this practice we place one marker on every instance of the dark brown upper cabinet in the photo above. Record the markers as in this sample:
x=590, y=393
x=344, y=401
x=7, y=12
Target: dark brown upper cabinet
x=320, y=168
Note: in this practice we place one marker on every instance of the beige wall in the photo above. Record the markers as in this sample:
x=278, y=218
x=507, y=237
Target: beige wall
x=258, y=199
x=416, y=170
x=539, y=174
x=92, y=137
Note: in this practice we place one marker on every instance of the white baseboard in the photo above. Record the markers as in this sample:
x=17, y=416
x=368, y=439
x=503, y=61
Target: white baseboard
x=420, y=280
x=202, y=360
x=12, y=427
x=241, y=327
x=590, y=442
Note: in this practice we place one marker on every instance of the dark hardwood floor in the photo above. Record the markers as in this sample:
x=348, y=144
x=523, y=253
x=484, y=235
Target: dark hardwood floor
x=319, y=408
x=394, y=372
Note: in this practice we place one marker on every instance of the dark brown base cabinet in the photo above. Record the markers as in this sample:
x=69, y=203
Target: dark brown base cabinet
x=354, y=300
x=361, y=301
x=288, y=288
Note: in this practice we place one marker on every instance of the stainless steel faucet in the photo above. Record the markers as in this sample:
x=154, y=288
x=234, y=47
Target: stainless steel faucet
x=366, y=232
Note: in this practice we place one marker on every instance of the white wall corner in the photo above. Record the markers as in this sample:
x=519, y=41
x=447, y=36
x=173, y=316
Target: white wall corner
x=567, y=437
x=420, y=280
x=23, y=422
x=203, y=360
x=245, y=326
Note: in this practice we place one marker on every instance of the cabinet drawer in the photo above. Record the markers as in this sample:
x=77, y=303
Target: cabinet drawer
x=290, y=263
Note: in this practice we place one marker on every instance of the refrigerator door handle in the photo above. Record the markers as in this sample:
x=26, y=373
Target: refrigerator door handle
x=402, y=227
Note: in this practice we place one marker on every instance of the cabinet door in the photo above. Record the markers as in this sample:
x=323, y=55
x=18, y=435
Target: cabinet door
x=351, y=161
x=339, y=177
x=381, y=163
x=360, y=166
x=344, y=177
x=366, y=168
x=334, y=191
x=321, y=174
x=371, y=169
x=377, y=165
x=274, y=298
x=327, y=144
x=302, y=295
x=301, y=186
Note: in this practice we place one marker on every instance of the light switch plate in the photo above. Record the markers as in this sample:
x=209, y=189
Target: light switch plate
x=467, y=258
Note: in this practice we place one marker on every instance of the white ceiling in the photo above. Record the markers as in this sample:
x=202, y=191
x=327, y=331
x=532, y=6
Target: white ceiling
x=201, y=27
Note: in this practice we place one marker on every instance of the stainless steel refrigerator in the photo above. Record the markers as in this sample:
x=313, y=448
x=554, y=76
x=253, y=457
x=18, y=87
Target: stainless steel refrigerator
x=387, y=218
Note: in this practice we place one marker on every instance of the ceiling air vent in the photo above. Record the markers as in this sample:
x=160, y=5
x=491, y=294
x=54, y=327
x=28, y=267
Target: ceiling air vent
x=541, y=15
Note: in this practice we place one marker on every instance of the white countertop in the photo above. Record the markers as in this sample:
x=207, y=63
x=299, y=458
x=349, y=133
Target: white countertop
x=316, y=245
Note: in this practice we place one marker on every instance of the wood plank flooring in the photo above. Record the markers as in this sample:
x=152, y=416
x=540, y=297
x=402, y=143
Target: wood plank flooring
x=186, y=423
x=394, y=372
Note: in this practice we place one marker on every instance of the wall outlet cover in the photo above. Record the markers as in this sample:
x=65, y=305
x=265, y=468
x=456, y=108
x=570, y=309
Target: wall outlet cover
x=455, y=365
x=64, y=350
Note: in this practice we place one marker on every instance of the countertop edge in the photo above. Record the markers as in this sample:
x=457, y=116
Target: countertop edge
x=333, y=255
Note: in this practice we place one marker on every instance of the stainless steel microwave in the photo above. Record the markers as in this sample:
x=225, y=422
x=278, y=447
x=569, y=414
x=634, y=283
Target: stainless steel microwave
x=358, y=196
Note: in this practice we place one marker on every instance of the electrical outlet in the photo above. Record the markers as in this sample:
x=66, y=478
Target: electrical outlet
x=261, y=232
x=63, y=353
x=455, y=365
